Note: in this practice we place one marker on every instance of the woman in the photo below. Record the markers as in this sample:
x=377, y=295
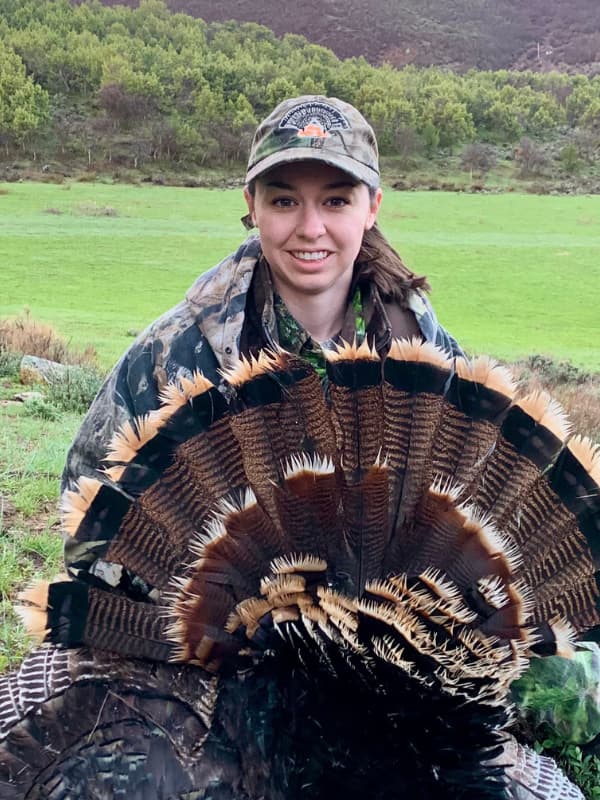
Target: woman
x=318, y=270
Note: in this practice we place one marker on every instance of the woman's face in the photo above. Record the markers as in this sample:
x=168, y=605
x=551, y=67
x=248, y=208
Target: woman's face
x=311, y=218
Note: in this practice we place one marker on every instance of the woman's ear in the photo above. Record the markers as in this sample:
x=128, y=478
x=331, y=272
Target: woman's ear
x=375, y=203
x=250, y=203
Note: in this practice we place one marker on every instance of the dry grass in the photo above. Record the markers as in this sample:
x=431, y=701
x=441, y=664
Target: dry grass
x=25, y=336
x=577, y=391
x=91, y=209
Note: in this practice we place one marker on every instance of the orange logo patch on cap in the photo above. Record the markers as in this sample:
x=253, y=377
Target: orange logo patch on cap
x=314, y=130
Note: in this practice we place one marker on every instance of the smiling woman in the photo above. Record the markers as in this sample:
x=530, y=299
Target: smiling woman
x=312, y=218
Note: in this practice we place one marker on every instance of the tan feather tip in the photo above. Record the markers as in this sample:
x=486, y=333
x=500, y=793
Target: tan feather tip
x=176, y=394
x=75, y=503
x=285, y=614
x=487, y=372
x=351, y=351
x=181, y=652
x=251, y=367
x=440, y=585
x=237, y=502
x=132, y=436
x=445, y=488
x=272, y=588
x=307, y=462
x=338, y=613
x=35, y=622
x=251, y=611
x=233, y=622
x=297, y=562
x=36, y=594
x=565, y=637
x=416, y=350
x=587, y=453
x=115, y=473
x=496, y=544
x=546, y=411
x=34, y=615
x=390, y=651
x=327, y=595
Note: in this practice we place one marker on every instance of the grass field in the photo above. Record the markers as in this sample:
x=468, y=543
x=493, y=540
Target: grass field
x=512, y=274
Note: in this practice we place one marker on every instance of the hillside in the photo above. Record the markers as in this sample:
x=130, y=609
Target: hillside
x=488, y=34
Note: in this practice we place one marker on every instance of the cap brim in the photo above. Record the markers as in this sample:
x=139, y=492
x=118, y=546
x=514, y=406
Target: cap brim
x=361, y=172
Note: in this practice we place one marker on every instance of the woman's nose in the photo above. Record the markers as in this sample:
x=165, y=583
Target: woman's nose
x=310, y=222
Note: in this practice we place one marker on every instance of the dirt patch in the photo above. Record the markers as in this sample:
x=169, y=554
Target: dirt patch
x=7, y=511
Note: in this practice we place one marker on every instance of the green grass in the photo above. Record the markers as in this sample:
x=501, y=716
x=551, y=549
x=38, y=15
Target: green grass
x=32, y=455
x=511, y=274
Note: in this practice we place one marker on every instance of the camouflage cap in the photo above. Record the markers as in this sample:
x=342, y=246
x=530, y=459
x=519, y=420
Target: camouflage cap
x=316, y=128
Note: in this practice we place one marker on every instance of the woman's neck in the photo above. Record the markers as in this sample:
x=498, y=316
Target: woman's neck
x=322, y=315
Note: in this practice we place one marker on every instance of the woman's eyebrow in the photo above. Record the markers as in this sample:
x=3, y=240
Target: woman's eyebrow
x=289, y=187
x=279, y=185
x=341, y=185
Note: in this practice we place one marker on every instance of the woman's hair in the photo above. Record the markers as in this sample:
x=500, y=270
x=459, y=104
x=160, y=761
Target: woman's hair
x=378, y=263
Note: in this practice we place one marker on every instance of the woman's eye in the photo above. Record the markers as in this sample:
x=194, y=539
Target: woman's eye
x=337, y=202
x=283, y=202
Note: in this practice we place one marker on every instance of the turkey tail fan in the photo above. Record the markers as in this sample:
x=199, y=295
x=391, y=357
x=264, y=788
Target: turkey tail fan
x=398, y=547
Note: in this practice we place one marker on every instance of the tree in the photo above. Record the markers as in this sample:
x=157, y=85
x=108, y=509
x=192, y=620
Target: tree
x=569, y=158
x=431, y=138
x=531, y=159
x=23, y=104
x=478, y=158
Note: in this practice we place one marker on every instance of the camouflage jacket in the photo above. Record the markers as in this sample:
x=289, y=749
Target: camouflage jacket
x=205, y=332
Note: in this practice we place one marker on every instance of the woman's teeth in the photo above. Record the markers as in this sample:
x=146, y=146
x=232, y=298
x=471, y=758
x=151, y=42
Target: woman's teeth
x=310, y=256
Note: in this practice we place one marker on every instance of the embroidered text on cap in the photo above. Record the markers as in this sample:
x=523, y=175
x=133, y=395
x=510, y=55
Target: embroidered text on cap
x=314, y=119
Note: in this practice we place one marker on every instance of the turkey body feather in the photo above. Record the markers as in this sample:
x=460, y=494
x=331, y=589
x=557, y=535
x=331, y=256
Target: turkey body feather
x=343, y=589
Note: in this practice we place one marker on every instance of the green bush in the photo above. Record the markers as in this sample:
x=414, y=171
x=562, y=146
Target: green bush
x=557, y=701
x=569, y=158
x=556, y=372
x=74, y=389
x=584, y=770
x=9, y=364
x=41, y=408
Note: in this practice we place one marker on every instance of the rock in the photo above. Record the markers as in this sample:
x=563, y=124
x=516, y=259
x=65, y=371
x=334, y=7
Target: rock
x=38, y=370
x=23, y=397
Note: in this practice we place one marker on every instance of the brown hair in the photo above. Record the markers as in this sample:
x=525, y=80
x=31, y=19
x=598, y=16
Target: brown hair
x=378, y=263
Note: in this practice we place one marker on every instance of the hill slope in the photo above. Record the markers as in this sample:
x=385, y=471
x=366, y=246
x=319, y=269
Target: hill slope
x=489, y=34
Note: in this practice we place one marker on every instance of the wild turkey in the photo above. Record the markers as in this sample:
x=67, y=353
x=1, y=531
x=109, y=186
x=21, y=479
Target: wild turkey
x=343, y=590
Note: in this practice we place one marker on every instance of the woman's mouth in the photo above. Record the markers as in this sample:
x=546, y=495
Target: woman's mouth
x=310, y=255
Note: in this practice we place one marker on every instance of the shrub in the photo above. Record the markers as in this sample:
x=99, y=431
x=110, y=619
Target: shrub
x=40, y=408
x=530, y=158
x=569, y=158
x=75, y=389
x=24, y=336
x=552, y=372
x=576, y=390
x=9, y=363
x=478, y=158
